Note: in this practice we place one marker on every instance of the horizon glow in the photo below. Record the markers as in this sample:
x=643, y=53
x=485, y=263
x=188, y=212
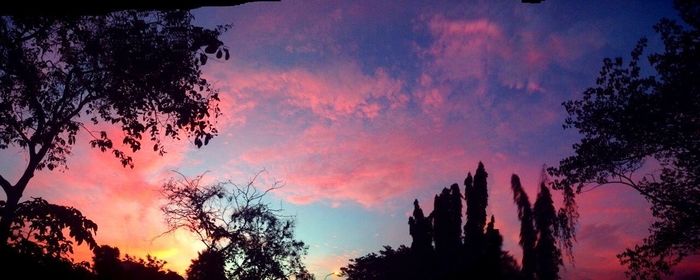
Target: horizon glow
x=360, y=107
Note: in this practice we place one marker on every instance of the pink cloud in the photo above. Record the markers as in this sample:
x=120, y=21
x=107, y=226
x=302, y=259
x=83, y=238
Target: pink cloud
x=124, y=202
x=481, y=48
x=336, y=91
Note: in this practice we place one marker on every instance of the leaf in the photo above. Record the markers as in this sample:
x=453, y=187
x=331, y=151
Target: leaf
x=227, y=55
x=203, y=58
x=211, y=48
x=218, y=54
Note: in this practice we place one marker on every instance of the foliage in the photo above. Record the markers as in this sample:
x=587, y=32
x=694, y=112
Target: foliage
x=528, y=234
x=437, y=250
x=137, y=71
x=420, y=228
x=492, y=250
x=39, y=229
x=642, y=131
x=447, y=221
x=388, y=264
x=477, y=200
x=235, y=221
x=548, y=256
x=109, y=266
x=209, y=265
x=40, y=266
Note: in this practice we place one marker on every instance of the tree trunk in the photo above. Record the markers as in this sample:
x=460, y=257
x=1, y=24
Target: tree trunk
x=8, y=215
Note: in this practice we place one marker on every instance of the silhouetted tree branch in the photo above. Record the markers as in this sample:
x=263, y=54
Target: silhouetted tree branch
x=137, y=71
x=629, y=122
x=39, y=228
x=109, y=6
x=235, y=221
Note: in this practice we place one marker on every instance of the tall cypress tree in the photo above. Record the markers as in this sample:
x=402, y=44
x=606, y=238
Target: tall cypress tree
x=447, y=222
x=476, y=195
x=468, y=189
x=477, y=200
x=420, y=229
x=491, y=268
x=528, y=235
x=441, y=222
x=455, y=217
x=548, y=254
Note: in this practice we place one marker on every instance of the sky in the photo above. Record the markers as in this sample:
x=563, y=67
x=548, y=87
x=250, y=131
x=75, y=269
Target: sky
x=360, y=107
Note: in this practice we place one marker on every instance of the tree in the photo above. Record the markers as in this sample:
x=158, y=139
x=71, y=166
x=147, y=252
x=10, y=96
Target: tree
x=642, y=131
x=54, y=9
x=528, y=234
x=447, y=227
x=42, y=239
x=492, y=251
x=109, y=266
x=480, y=256
x=548, y=255
x=39, y=229
x=23, y=265
x=388, y=264
x=209, y=265
x=235, y=221
x=420, y=229
x=476, y=196
x=138, y=71
x=106, y=263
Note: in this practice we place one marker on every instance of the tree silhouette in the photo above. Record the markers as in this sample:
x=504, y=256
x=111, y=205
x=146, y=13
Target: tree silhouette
x=480, y=257
x=492, y=251
x=420, y=228
x=476, y=194
x=39, y=229
x=138, y=71
x=106, y=263
x=109, y=266
x=29, y=265
x=108, y=6
x=528, y=234
x=447, y=225
x=235, y=221
x=209, y=265
x=469, y=226
x=388, y=264
x=548, y=255
x=630, y=121
x=38, y=246
x=42, y=240
x=477, y=200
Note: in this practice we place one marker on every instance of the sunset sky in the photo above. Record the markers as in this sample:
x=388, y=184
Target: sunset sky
x=360, y=107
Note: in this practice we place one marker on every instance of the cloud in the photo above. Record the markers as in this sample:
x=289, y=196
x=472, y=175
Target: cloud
x=513, y=56
x=340, y=90
x=124, y=202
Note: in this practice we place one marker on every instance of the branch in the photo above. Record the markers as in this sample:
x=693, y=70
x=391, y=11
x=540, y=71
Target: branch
x=6, y=186
x=33, y=34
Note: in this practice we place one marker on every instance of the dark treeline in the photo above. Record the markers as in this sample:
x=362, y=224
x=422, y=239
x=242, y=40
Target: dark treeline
x=444, y=249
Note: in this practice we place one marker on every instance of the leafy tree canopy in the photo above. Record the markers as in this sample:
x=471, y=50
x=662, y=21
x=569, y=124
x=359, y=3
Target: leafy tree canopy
x=39, y=229
x=388, y=264
x=236, y=222
x=137, y=71
x=630, y=121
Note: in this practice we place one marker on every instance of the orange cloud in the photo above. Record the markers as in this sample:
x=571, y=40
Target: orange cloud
x=124, y=202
